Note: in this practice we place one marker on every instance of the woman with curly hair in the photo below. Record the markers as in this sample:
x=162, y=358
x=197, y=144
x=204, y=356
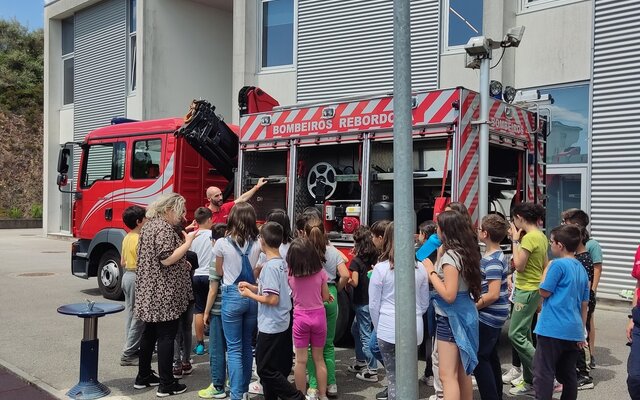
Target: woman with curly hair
x=457, y=282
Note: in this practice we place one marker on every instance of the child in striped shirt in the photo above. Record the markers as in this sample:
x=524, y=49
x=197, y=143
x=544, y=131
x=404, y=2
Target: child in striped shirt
x=493, y=305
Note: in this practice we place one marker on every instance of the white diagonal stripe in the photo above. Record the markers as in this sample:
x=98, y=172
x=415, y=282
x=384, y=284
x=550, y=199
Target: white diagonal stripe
x=371, y=106
x=436, y=105
x=349, y=109
x=292, y=115
x=310, y=113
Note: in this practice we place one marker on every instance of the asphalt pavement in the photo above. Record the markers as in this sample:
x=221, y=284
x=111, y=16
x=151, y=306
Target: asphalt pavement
x=43, y=347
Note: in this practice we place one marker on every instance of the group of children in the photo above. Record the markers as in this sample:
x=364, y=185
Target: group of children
x=249, y=279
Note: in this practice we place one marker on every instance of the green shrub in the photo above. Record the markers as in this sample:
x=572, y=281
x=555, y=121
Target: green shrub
x=15, y=213
x=36, y=211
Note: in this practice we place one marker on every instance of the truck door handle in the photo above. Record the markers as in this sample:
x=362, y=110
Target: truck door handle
x=108, y=214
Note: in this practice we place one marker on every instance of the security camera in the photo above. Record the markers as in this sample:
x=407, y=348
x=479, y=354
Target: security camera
x=513, y=37
x=478, y=46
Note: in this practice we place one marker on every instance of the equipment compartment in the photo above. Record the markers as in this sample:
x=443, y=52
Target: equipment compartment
x=429, y=169
x=271, y=165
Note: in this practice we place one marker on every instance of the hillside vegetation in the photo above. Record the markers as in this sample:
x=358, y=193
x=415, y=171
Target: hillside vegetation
x=21, y=120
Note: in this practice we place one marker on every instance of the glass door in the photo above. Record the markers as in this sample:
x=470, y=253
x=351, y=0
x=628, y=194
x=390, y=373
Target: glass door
x=566, y=188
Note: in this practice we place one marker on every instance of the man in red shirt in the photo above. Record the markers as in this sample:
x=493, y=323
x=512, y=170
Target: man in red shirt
x=220, y=209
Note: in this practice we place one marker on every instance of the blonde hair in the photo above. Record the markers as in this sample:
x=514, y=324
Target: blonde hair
x=165, y=203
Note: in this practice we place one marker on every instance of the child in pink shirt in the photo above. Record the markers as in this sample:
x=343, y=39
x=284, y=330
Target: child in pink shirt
x=309, y=288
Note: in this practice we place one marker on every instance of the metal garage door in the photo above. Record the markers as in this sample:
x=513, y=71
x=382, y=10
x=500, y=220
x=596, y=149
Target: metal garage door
x=345, y=47
x=615, y=176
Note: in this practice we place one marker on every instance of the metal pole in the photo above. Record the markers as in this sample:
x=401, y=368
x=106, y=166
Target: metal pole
x=403, y=214
x=483, y=148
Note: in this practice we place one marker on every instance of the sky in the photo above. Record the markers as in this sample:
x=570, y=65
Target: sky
x=29, y=13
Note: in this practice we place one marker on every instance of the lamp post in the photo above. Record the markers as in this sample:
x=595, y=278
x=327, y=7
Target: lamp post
x=479, y=51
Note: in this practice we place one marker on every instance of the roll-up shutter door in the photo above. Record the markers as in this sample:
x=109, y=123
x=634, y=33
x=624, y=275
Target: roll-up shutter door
x=615, y=176
x=345, y=47
x=100, y=67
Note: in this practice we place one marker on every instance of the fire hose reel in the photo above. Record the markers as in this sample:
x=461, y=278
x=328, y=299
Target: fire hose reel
x=321, y=181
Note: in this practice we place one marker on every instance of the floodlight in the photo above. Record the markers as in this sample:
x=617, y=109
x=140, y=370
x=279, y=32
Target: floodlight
x=513, y=37
x=495, y=89
x=509, y=94
x=478, y=46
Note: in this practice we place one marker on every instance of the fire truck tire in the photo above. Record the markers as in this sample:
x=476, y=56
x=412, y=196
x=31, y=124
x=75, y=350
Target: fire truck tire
x=110, y=275
x=345, y=318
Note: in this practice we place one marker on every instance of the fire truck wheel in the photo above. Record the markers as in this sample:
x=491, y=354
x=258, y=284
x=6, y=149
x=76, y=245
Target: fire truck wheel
x=345, y=318
x=110, y=275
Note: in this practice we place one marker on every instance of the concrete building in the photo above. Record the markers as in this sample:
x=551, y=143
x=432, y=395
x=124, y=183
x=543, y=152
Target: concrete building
x=146, y=59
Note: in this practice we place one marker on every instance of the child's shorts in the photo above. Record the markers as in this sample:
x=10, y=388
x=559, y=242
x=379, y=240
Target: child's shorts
x=443, y=329
x=200, y=292
x=309, y=328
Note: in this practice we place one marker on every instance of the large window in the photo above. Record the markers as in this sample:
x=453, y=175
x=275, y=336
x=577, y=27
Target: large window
x=67, y=61
x=277, y=33
x=569, y=139
x=145, y=163
x=103, y=162
x=133, y=48
x=464, y=21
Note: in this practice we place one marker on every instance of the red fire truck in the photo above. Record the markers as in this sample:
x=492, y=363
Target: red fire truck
x=336, y=156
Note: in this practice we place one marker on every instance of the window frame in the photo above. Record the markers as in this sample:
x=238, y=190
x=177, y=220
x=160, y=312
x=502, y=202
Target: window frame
x=65, y=57
x=132, y=51
x=569, y=85
x=538, y=5
x=115, y=146
x=294, y=50
x=457, y=49
x=133, y=156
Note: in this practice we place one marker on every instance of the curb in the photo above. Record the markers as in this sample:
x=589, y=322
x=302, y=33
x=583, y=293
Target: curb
x=33, y=380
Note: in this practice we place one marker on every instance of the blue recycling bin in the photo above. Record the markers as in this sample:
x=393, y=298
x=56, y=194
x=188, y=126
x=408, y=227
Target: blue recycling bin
x=89, y=387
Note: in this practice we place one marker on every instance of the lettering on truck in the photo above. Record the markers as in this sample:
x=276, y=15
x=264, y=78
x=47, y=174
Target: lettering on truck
x=348, y=122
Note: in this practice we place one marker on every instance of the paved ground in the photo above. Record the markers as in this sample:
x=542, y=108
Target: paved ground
x=43, y=345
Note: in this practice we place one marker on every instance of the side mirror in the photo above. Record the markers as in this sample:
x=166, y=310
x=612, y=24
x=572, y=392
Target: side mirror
x=63, y=161
x=62, y=180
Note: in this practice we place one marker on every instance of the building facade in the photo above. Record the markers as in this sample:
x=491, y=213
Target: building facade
x=147, y=59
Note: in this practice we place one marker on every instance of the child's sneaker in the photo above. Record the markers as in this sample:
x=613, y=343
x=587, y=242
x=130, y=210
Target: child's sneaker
x=359, y=366
x=170, y=390
x=517, y=381
x=523, y=389
x=557, y=386
x=151, y=380
x=367, y=375
x=212, y=393
x=255, y=387
x=512, y=374
x=332, y=390
x=383, y=395
x=177, y=370
x=585, y=382
x=187, y=368
x=199, y=349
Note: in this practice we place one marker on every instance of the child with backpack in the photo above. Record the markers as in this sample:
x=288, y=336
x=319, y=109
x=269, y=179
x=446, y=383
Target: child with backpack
x=236, y=256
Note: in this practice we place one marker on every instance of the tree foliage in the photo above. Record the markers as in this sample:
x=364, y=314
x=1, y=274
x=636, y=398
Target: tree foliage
x=21, y=69
x=21, y=108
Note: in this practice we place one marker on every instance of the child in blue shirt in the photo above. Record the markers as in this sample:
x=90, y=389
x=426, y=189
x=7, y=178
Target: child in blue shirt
x=274, y=343
x=561, y=323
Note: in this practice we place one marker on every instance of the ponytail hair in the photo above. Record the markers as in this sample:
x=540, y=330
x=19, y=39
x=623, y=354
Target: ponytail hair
x=314, y=229
x=387, y=245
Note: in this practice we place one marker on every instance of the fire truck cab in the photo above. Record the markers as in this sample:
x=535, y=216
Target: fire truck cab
x=131, y=163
